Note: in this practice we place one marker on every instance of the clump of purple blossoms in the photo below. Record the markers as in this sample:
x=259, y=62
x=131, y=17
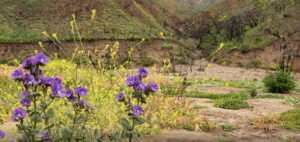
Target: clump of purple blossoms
x=19, y=113
x=2, y=134
x=26, y=102
x=23, y=94
x=151, y=87
x=130, y=80
x=29, y=80
x=18, y=75
x=81, y=91
x=143, y=72
x=58, y=91
x=137, y=110
x=42, y=59
x=139, y=90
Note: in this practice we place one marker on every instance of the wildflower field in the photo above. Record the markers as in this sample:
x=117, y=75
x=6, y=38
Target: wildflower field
x=149, y=71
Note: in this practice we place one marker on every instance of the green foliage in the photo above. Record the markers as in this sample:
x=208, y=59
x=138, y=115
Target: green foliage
x=275, y=96
x=279, y=82
x=228, y=128
x=198, y=94
x=253, y=92
x=167, y=46
x=291, y=120
x=188, y=127
x=232, y=103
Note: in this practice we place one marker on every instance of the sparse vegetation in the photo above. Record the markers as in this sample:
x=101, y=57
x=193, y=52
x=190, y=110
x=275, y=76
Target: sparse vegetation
x=232, y=103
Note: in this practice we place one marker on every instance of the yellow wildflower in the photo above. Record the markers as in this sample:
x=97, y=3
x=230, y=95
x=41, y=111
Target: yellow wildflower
x=54, y=35
x=93, y=14
x=45, y=33
x=40, y=44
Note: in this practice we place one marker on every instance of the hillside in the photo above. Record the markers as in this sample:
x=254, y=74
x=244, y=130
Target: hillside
x=242, y=23
x=23, y=21
x=250, y=30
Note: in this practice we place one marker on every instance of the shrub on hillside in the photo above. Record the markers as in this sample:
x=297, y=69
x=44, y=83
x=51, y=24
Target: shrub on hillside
x=279, y=82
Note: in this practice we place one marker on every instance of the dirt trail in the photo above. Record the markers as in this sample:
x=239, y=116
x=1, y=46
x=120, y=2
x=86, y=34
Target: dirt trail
x=204, y=69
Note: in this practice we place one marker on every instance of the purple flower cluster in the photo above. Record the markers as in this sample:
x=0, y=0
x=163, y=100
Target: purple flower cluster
x=138, y=87
x=34, y=77
x=31, y=64
x=39, y=59
x=19, y=113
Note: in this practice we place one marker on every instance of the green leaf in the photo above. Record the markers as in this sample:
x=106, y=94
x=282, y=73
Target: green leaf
x=140, y=120
x=80, y=119
x=125, y=124
x=50, y=113
x=67, y=132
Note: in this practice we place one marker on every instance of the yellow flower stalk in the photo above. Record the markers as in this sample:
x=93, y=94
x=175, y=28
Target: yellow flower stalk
x=93, y=14
x=221, y=46
x=45, y=33
x=54, y=35
x=40, y=44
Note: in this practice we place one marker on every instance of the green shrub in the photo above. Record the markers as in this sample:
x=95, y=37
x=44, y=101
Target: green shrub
x=279, y=82
x=232, y=103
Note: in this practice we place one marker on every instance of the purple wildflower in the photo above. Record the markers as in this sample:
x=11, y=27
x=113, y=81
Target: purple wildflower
x=42, y=59
x=23, y=94
x=26, y=102
x=69, y=93
x=137, y=110
x=46, y=81
x=46, y=137
x=2, y=135
x=142, y=72
x=131, y=79
x=152, y=87
x=72, y=98
x=18, y=75
x=120, y=97
x=81, y=91
x=57, y=81
x=19, y=113
x=29, y=62
x=58, y=91
x=139, y=86
x=29, y=80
